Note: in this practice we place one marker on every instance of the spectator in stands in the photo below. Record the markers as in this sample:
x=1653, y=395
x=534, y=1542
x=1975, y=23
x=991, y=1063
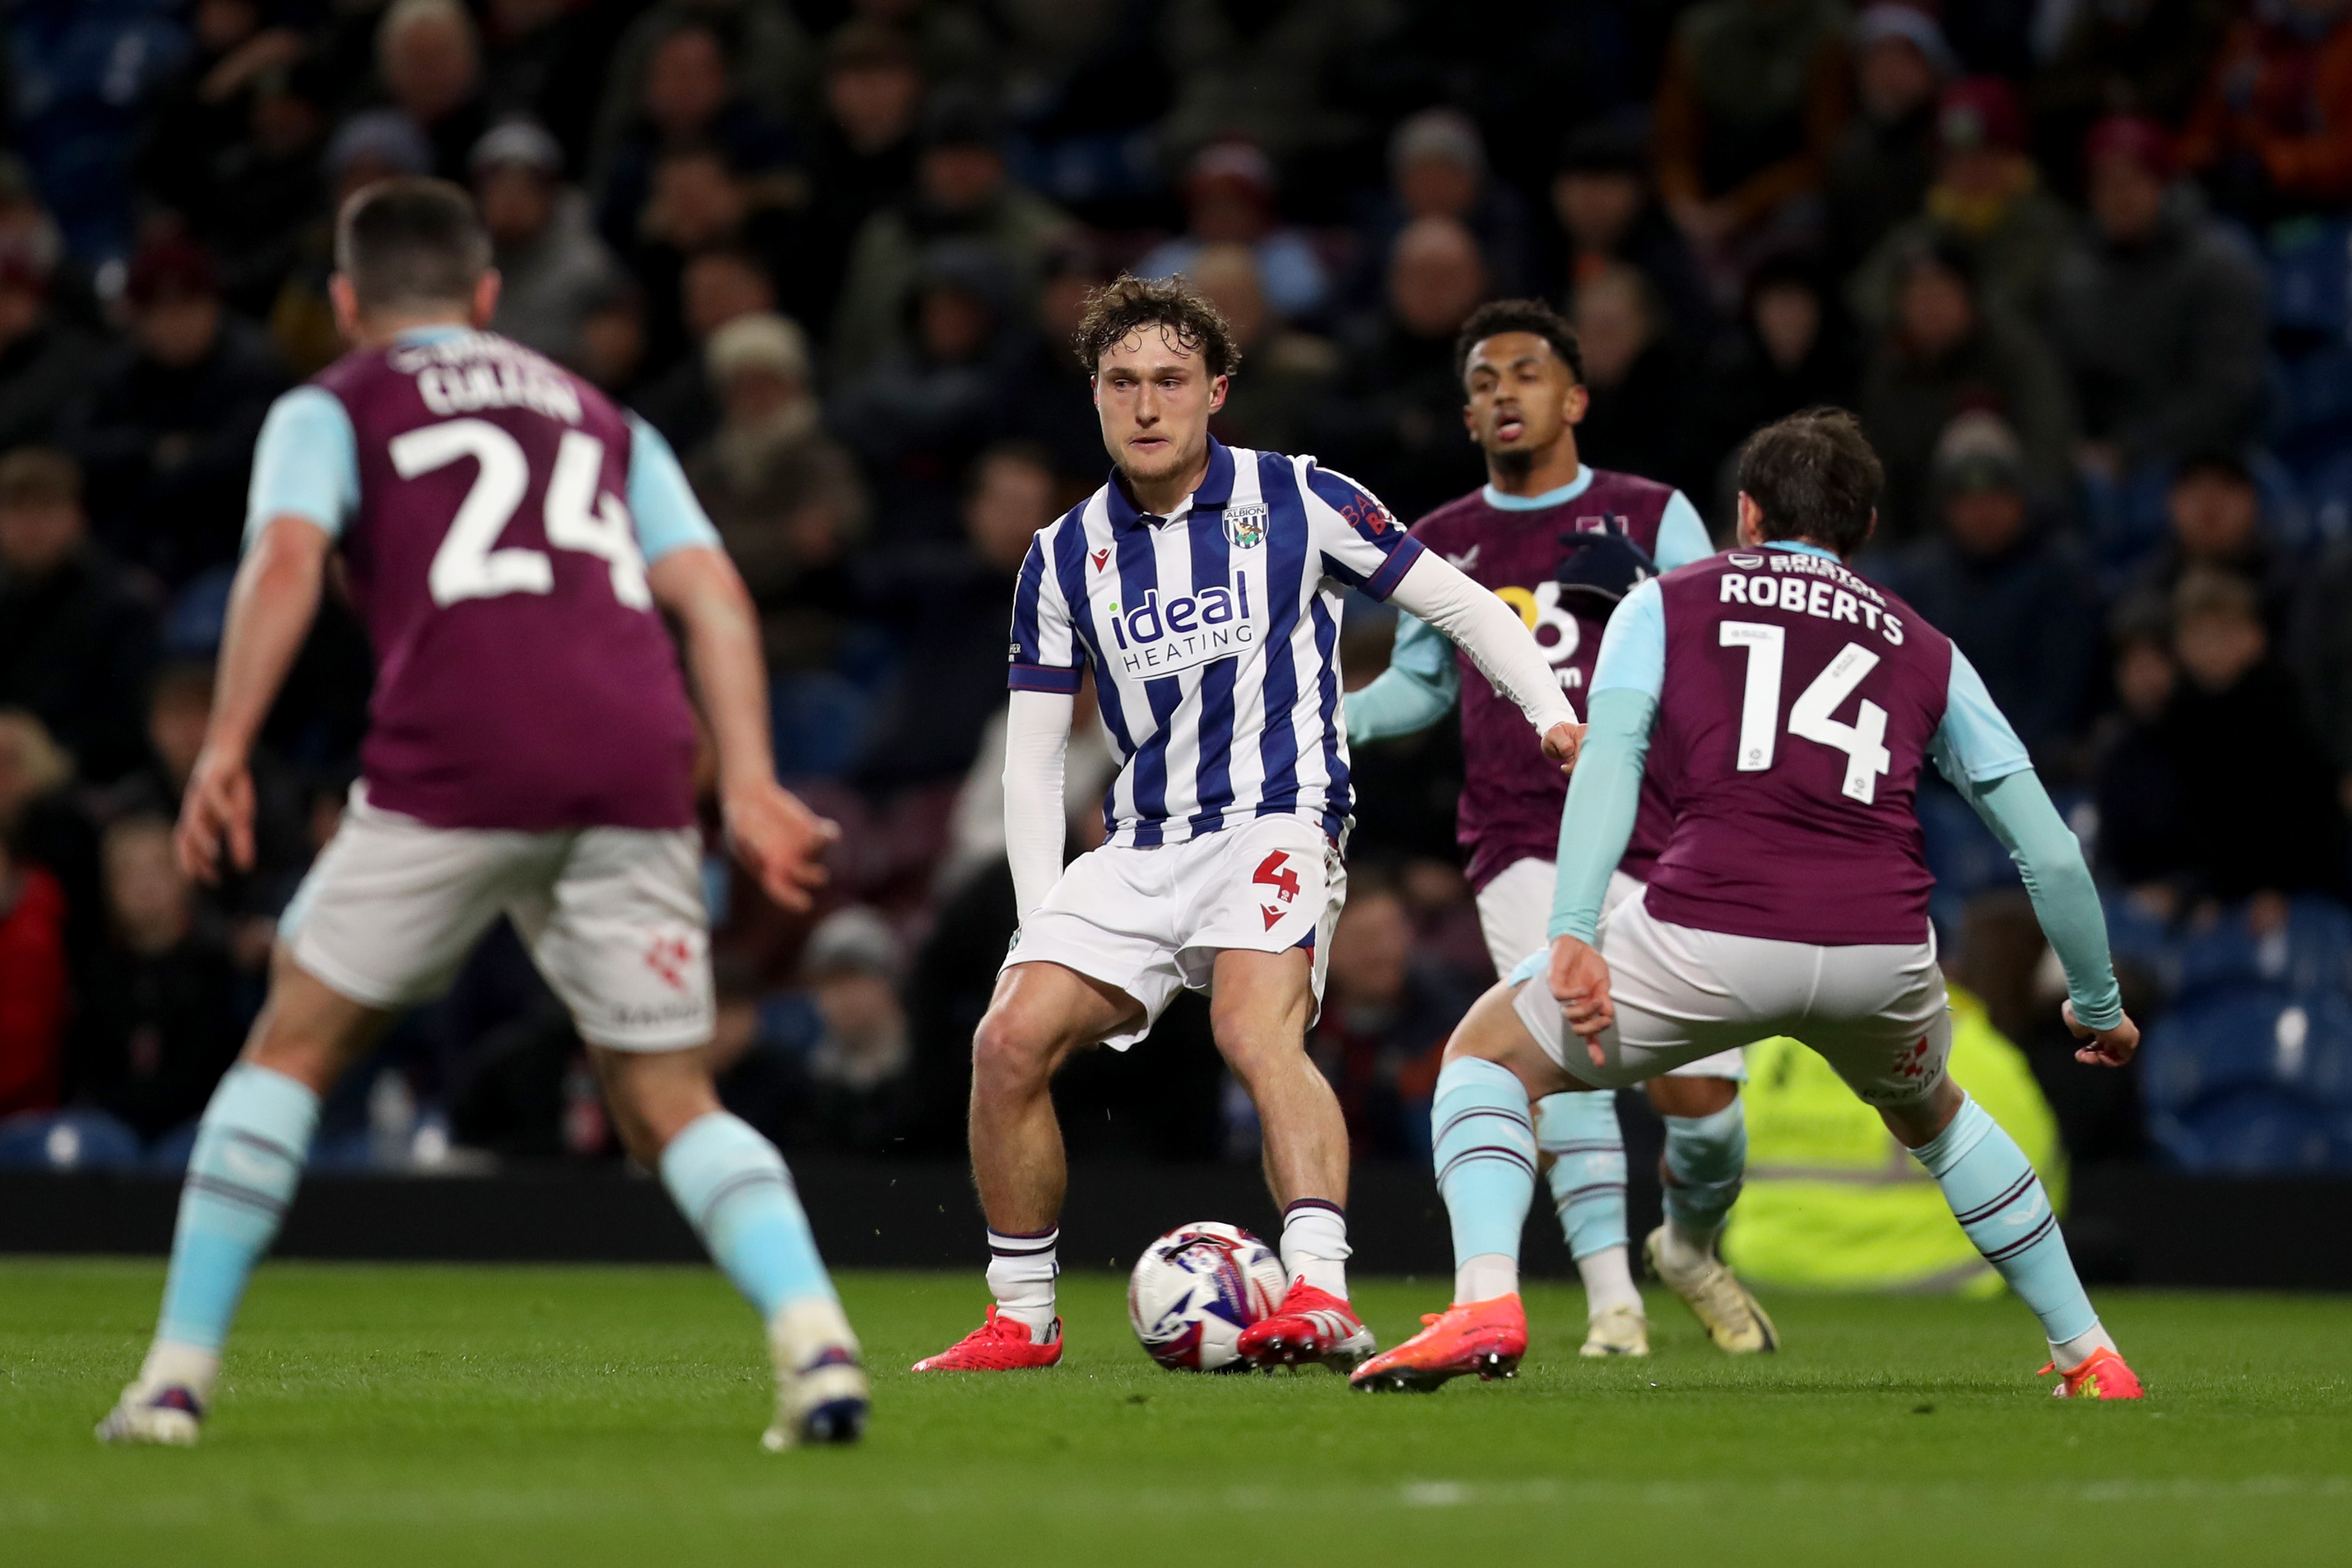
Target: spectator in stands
x=263, y=191
x=83, y=79
x=1641, y=377
x=44, y=361
x=2157, y=311
x=1262, y=77
x=962, y=193
x=784, y=494
x=1988, y=202
x=1055, y=405
x=2142, y=833
x=1944, y=354
x=375, y=144
x=158, y=1020
x=920, y=416
x=952, y=42
x=1385, y=1017
x=541, y=61
x=200, y=118
x=2132, y=57
x=43, y=824
x=552, y=269
x=1437, y=168
x=75, y=642
x=862, y=158
x=613, y=343
x=1749, y=110
x=2319, y=650
x=714, y=288
x=769, y=57
x=166, y=433
x=2213, y=516
x=689, y=102
x=430, y=63
x=856, y=1091
x=1885, y=160
x=1229, y=199
x=699, y=204
x=2272, y=132
x=1394, y=418
x=1793, y=351
x=2006, y=586
x=947, y=612
x=1289, y=371
x=34, y=985
x=1610, y=217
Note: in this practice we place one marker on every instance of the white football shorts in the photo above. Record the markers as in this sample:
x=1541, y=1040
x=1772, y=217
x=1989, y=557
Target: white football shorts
x=1514, y=914
x=614, y=918
x=1152, y=922
x=1877, y=1013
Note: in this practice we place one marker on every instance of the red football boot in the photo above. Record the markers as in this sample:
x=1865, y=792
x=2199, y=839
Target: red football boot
x=2103, y=1376
x=1311, y=1325
x=999, y=1344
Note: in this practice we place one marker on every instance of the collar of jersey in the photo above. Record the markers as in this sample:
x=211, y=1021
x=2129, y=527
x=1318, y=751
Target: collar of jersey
x=1567, y=492
x=1800, y=548
x=438, y=332
x=1216, y=487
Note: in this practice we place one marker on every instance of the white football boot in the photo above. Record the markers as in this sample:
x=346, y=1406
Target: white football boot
x=821, y=1390
x=1728, y=1309
x=170, y=1415
x=1620, y=1331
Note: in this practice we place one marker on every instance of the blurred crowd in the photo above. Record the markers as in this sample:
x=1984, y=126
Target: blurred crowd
x=2081, y=265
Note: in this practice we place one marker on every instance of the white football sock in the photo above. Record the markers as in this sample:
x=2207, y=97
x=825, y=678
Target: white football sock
x=1021, y=1270
x=1485, y=1277
x=1608, y=1281
x=1314, y=1245
x=191, y=1367
x=2075, y=1352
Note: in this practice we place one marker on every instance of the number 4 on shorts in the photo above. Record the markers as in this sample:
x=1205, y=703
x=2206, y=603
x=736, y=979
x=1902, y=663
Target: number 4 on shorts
x=1275, y=872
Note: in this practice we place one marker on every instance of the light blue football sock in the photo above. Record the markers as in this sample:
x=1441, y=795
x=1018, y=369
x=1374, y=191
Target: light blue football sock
x=1999, y=1201
x=250, y=1145
x=731, y=1184
x=1485, y=1157
x=1579, y=1131
x=1706, y=1156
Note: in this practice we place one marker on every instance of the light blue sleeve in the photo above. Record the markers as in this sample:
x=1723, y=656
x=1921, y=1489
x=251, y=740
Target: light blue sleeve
x=1604, y=795
x=1634, y=649
x=1975, y=744
x=1419, y=685
x=1682, y=536
x=305, y=463
x=668, y=516
x=2066, y=900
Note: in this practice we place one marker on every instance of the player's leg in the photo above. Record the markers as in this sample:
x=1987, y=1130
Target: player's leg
x=1485, y=1157
x=1579, y=1140
x=251, y=1143
x=1262, y=1004
x=1897, y=1061
x=1700, y=1172
x=615, y=922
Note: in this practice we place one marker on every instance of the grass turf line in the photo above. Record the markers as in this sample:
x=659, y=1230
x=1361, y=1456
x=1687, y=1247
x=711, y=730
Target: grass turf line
x=514, y=1416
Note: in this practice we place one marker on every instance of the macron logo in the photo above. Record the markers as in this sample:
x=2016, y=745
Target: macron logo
x=1101, y=556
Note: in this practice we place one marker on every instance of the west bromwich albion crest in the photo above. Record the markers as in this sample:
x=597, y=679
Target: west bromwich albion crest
x=1245, y=525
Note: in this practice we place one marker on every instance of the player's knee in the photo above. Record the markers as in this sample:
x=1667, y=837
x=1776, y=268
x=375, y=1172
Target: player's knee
x=1010, y=1053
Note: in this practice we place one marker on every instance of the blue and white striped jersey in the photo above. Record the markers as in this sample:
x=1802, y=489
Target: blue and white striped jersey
x=1215, y=639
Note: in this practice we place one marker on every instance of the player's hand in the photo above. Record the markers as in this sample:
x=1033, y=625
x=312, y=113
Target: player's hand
x=218, y=806
x=1561, y=742
x=1579, y=978
x=2108, y=1048
x=779, y=841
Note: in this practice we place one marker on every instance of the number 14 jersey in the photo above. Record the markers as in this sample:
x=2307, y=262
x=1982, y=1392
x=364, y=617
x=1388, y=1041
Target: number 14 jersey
x=1796, y=705
x=496, y=516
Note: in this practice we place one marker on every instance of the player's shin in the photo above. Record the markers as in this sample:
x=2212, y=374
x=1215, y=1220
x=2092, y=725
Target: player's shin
x=2001, y=1204
x=731, y=1184
x=1485, y=1158
x=250, y=1146
x=1706, y=1157
x=1580, y=1133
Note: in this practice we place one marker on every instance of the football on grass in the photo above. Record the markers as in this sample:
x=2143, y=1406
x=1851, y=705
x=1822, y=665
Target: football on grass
x=1196, y=1289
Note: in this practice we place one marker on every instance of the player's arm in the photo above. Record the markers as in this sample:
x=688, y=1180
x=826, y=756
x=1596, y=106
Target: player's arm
x=1975, y=749
x=306, y=481
x=1042, y=674
x=1419, y=685
x=775, y=835
x=1603, y=797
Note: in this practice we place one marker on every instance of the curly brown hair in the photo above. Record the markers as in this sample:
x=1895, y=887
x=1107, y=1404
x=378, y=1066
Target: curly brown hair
x=1813, y=476
x=1120, y=308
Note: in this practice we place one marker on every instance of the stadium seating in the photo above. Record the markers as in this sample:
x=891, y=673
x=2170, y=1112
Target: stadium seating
x=2310, y=955
x=67, y=1141
x=2232, y=1064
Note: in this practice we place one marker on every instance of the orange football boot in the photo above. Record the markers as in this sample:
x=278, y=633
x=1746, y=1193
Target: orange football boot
x=999, y=1344
x=2103, y=1376
x=1482, y=1337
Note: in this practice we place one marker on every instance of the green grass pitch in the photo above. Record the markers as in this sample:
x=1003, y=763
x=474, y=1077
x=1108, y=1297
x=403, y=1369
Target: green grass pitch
x=518, y=1416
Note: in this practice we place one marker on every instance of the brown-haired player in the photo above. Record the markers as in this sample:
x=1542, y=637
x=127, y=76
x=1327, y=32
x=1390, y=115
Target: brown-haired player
x=1792, y=705
x=1203, y=587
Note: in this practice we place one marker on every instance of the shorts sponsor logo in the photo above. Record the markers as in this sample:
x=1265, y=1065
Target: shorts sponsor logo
x=1245, y=525
x=672, y=958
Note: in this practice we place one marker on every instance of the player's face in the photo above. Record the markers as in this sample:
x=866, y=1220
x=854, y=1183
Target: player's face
x=1522, y=397
x=1155, y=397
